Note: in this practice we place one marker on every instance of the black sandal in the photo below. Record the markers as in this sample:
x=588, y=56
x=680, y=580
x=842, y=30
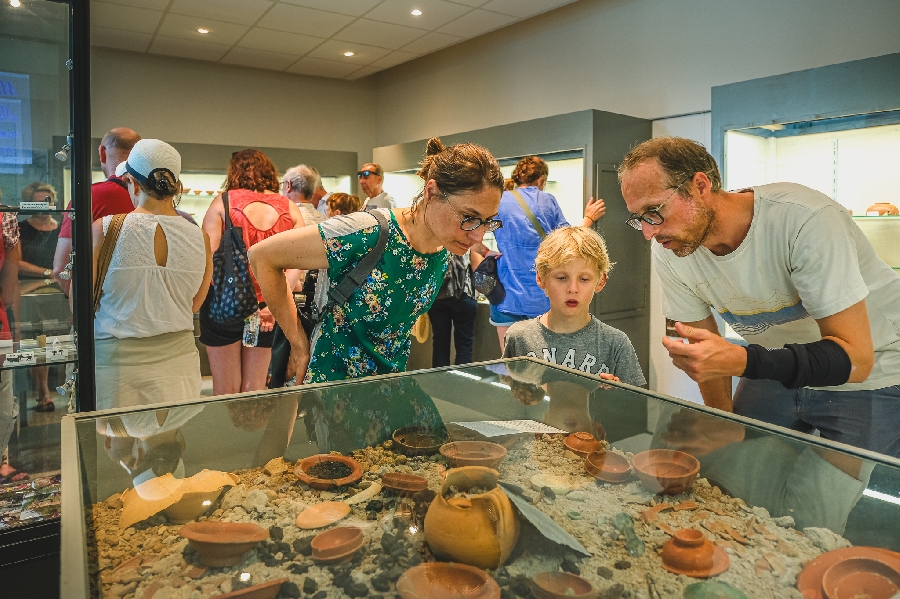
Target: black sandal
x=45, y=406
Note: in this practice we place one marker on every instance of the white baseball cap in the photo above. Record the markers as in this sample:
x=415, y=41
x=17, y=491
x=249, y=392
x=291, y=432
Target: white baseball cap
x=149, y=156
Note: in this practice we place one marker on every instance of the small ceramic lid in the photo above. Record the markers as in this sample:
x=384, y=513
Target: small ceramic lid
x=582, y=444
x=400, y=481
x=447, y=580
x=322, y=514
x=473, y=453
x=223, y=532
x=336, y=544
x=561, y=585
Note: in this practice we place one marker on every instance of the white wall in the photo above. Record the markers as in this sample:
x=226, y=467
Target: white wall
x=646, y=58
x=201, y=102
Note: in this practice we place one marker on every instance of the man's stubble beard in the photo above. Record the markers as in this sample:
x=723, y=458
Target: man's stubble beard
x=702, y=226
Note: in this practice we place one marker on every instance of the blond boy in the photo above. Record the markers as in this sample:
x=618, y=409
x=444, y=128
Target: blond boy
x=572, y=265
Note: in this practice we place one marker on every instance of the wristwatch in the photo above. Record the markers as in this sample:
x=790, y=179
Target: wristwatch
x=48, y=272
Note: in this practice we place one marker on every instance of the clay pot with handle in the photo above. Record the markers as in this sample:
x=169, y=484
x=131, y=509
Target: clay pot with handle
x=479, y=530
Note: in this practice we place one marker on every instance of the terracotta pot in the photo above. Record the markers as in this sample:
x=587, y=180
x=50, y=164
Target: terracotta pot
x=581, y=444
x=882, y=208
x=418, y=440
x=473, y=453
x=323, y=484
x=809, y=583
x=689, y=552
x=479, y=531
x=266, y=590
x=222, y=543
x=405, y=483
x=437, y=580
x=561, y=585
x=861, y=577
x=666, y=470
x=607, y=466
x=337, y=544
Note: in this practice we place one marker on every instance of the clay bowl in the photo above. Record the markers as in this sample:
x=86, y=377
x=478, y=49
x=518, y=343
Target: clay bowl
x=861, y=577
x=323, y=484
x=222, y=543
x=666, y=470
x=440, y=580
x=198, y=191
x=404, y=483
x=561, y=585
x=186, y=190
x=191, y=506
x=266, y=590
x=882, y=209
x=607, y=466
x=581, y=444
x=418, y=440
x=689, y=552
x=337, y=545
x=473, y=453
x=809, y=582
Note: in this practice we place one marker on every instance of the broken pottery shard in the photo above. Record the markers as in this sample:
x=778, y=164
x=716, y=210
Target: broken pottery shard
x=154, y=495
x=685, y=505
x=544, y=524
x=364, y=495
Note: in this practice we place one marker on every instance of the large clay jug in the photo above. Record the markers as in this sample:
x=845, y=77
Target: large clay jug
x=481, y=530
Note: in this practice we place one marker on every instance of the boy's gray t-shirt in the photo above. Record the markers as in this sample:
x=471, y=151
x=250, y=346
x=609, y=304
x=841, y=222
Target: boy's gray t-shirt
x=596, y=348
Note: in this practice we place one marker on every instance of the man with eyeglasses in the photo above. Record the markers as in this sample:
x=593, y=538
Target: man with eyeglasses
x=371, y=178
x=788, y=270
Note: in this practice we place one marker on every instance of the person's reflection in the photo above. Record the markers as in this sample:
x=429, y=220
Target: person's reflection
x=816, y=486
x=275, y=416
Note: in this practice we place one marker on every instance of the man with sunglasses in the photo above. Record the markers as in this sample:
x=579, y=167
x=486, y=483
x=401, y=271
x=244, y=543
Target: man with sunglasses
x=787, y=269
x=371, y=178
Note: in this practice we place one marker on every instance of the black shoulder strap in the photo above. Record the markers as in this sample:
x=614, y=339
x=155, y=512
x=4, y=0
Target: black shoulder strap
x=356, y=277
x=228, y=224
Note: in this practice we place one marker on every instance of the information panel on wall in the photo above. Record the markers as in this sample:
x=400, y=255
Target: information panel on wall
x=15, y=123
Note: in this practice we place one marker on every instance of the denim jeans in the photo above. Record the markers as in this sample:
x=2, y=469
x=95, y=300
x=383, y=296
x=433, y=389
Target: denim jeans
x=458, y=314
x=866, y=419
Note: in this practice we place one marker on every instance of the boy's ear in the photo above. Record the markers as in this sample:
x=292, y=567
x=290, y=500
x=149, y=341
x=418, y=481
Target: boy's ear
x=540, y=282
x=601, y=284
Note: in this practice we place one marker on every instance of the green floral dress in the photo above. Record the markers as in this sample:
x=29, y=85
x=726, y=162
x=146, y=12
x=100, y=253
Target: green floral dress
x=370, y=334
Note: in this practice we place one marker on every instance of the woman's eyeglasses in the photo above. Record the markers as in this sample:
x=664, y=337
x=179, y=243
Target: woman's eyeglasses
x=470, y=223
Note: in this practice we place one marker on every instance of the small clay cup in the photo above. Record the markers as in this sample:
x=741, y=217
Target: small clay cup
x=581, y=444
x=861, y=577
x=689, y=552
x=418, y=440
x=666, y=470
x=883, y=209
x=439, y=580
x=222, y=543
x=323, y=484
x=404, y=483
x=473, y=453
x=561, y=585
x=265, y=590
x=337, y=545
x=607, y=466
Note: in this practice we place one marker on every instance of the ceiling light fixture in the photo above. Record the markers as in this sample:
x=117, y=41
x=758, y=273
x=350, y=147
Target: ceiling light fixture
x=202, y=30
x=348, y=54
x=15, y=3
x=416, y=13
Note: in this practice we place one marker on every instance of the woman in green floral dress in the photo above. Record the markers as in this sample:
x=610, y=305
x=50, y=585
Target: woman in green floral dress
x=370, y=333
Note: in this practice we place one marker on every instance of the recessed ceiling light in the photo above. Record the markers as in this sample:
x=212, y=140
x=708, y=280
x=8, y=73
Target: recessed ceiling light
x=348, y=53
x=202, y=30
x=15, y=3
x=416, y=13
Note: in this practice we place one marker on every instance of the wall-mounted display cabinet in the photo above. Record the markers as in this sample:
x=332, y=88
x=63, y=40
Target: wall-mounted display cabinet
x=504, y=477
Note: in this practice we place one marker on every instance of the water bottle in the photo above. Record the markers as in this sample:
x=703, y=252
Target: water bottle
x=251, y=330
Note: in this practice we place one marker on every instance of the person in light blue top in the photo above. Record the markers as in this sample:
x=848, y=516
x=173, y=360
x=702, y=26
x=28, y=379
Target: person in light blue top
x=518, y=242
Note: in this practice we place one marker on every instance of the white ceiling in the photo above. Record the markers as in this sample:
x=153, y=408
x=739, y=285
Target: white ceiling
x=302, y=36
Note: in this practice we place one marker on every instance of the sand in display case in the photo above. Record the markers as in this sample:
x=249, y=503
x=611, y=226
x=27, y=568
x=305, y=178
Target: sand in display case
x=529, y=481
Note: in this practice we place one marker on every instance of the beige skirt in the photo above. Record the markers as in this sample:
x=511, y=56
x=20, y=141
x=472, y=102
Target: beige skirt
x=148, y=370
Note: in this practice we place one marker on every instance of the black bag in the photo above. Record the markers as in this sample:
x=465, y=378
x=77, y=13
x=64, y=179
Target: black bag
x=233, y=294
x=307, y=314
x=487, y=282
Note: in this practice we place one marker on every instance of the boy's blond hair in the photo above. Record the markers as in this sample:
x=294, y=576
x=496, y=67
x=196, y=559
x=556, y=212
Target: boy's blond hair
x=570, y=243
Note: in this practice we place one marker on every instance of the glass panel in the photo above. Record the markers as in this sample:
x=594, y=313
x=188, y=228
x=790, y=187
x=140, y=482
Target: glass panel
x=769, y=502
x=35, y=340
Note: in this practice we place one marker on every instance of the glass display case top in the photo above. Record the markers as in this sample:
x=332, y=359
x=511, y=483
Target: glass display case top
x=513, y=478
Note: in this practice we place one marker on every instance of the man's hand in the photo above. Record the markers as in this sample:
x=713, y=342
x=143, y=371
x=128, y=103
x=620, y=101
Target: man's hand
x=707, y=357
x=698, y=434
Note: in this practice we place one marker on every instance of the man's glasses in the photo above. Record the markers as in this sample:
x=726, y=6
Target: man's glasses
x=362, y=174
x=651, y=216
x=470, y=223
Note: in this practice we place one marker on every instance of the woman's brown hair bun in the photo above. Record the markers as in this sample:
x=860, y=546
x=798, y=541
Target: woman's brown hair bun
x=433, y=146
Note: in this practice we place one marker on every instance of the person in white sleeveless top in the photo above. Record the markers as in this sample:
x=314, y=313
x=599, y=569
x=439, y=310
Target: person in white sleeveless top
x=157, y=278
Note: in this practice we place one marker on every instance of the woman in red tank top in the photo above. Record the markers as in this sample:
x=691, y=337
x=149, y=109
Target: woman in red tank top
x=256, y=207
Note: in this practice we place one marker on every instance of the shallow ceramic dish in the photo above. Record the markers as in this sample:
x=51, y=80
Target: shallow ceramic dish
x=473, y=453
x=561, y=585
x=323, y=484
x=439, y=580
x=418, y=440
x=336, y=545
x=198, y=191
x=666, y=470
x=222, y=543
x=405, y=483
x=607, y=466
x=322, y=514
x=194, y=504
x=809, y=582
x=689, y=552
x=861, y=577
x=581, y=444
x=266, y=590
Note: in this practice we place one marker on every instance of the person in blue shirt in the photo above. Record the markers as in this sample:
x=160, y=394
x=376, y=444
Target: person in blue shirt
x=518, y=241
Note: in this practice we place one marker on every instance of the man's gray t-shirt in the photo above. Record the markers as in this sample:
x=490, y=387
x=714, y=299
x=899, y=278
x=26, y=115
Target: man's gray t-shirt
x=596, y=348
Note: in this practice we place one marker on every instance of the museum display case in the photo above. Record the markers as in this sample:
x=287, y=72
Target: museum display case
x=513, y=478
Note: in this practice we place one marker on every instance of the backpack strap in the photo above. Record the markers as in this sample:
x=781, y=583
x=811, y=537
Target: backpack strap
x=527, y=210
x=105, y=257
x=356, y=277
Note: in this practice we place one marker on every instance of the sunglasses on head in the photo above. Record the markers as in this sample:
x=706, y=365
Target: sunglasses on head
x=362, y=174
